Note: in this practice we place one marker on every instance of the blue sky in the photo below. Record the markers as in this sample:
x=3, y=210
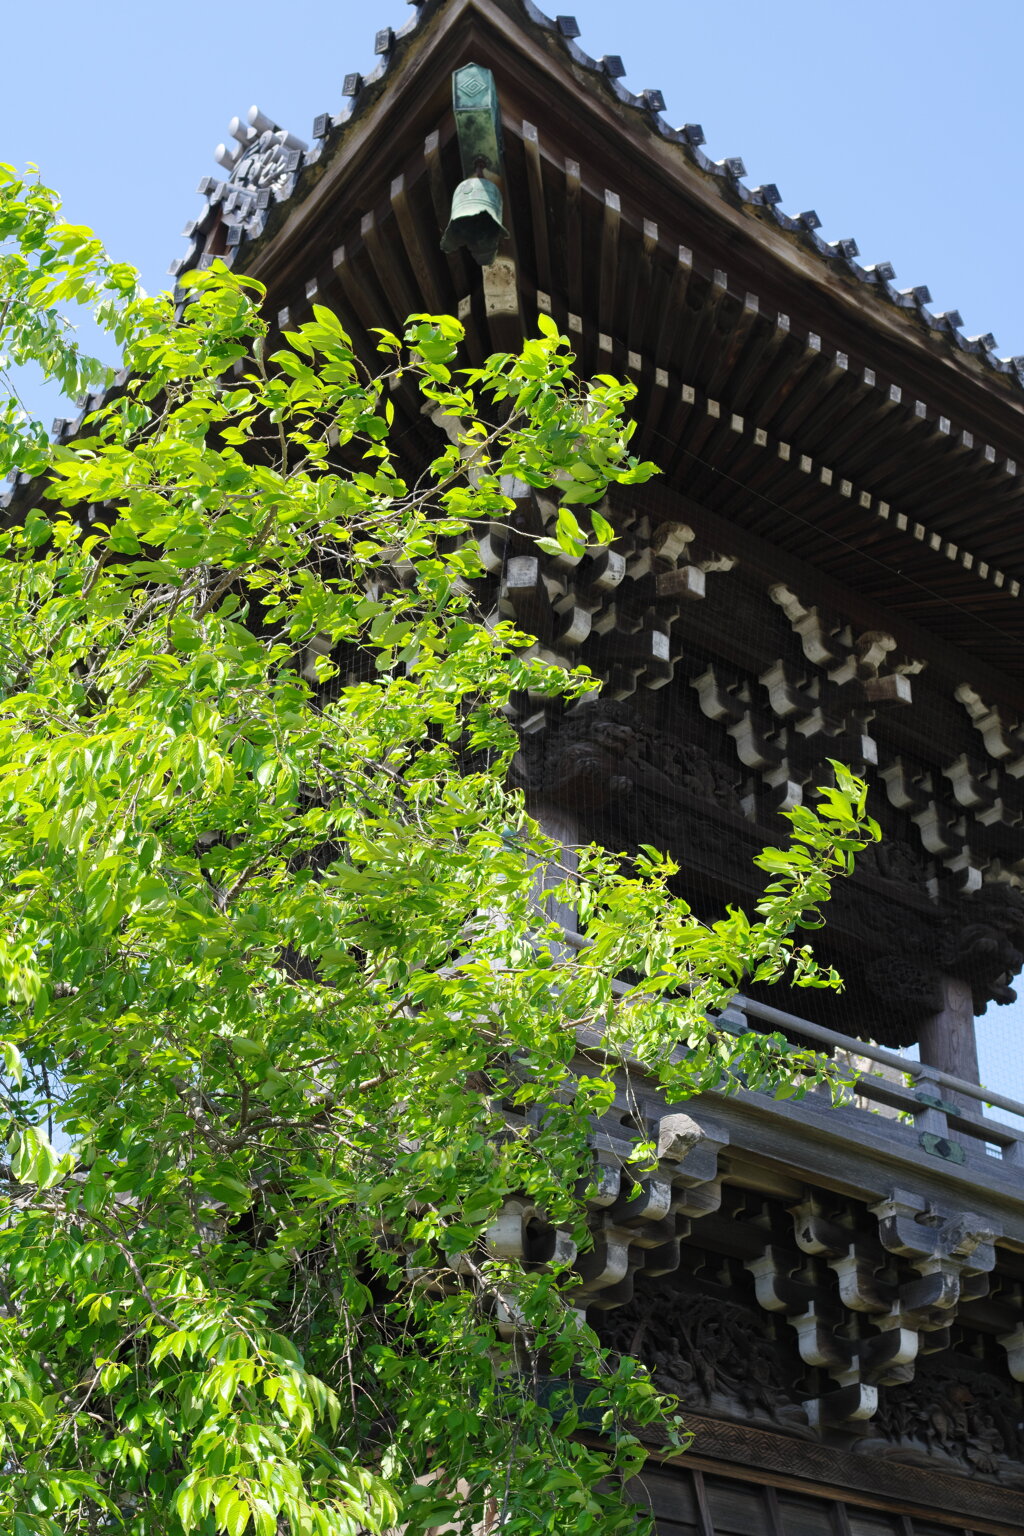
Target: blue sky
x=897, y=124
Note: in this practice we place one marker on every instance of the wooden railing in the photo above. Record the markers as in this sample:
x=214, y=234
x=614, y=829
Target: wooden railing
x=945, y=1115
x=941, y=1108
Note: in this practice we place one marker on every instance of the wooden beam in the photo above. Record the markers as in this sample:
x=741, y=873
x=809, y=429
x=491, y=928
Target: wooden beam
x=639, y=286
x=726, y=313
x=664, y=344
x=704, y=297
x=361, y=308
x=815, y=399
x=746, y=321
x=423, y=262
x=610, y=227
x=363, y=305
x=656, y=302
x=868, y=1490
x=573, y=238
x=771, y=1502
x=538, y=207
x=767, y=339
x=441, y=197
x=840, y=1520
x=705, y=1526
x=794, y=389
x=502, y=304
x=562, y=827
x=401, y=297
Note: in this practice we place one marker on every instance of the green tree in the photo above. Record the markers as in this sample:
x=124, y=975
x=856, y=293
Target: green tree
x=274, y=967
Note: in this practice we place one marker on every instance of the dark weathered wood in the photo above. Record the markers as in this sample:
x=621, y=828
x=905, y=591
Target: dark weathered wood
x=359, y=301
x=562, y=827
x=440, y=195
x=948, y=1040
x=666, y=345
x=773, y=1516
x=727, y=317
x=347, y=290
x=639, y=285
x=706, y=295
x=823, y=398
x=746, y=321
x=538, y=209
x=861, y=1161
x=704, y=1524
x=503, y=304
x=840, y=1519
x=857, y=1483
x=609, y=271
x=422, y=257
x=573, y=238
x=458, y=262
x=656, y=299
x=402, y=299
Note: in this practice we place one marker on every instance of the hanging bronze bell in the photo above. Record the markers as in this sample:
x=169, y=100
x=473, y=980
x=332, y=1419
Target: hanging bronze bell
x=475, y=220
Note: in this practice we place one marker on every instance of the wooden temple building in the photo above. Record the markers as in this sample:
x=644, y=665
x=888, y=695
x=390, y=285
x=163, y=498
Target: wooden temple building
x=830, y=566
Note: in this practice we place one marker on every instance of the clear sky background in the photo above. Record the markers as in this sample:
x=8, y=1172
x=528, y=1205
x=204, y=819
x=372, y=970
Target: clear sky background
x=898, y=124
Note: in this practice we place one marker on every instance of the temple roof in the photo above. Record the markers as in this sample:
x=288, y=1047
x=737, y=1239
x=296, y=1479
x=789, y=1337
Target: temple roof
x=806, y=408
x=269, y=166
x=789, y=389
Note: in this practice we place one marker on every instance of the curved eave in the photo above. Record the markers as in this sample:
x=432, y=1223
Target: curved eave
x=594, y=89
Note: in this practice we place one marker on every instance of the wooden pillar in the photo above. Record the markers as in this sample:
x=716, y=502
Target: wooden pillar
x=561, y=826
x=947, y=1039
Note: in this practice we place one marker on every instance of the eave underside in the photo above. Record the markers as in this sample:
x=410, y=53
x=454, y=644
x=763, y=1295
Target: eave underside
x=770, y=391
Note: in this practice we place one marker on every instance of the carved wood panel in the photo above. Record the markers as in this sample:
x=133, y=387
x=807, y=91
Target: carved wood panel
x=634, y=771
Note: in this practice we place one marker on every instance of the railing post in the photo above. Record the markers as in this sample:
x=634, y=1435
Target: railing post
x=734, y=1018
x=931, y=1101
x=931, y=1122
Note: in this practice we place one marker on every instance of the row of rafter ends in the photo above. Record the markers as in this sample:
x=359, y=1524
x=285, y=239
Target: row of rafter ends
x=64, y=429
x=985, y=455
x=892, y=393
x=834, y=479
x=249, y=213
x=828, y=476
